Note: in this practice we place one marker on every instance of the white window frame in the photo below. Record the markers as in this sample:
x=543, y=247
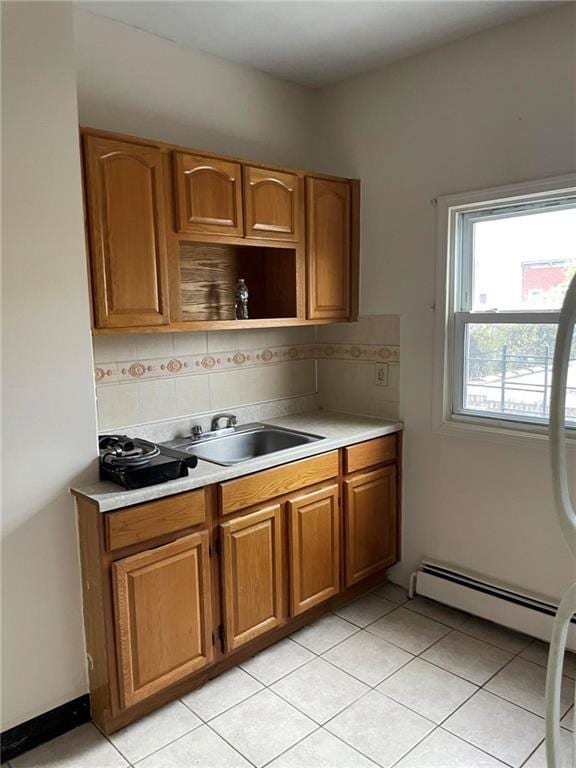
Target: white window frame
x=450, y=324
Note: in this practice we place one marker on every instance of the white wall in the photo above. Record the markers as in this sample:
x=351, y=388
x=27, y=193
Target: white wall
x=496, y=108
x=127, y=81
x=134, y=82
x=49, y=419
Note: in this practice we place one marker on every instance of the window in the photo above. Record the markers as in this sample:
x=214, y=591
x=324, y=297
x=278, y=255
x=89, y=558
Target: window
x=507, y=257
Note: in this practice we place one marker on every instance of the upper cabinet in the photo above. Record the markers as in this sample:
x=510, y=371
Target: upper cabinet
x=329, y=252
x=273, y=204
x=171, y=231
x=127, y=229
x=208, y=195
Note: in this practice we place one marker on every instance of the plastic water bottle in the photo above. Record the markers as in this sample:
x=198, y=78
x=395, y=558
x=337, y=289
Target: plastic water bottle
x=241, y=300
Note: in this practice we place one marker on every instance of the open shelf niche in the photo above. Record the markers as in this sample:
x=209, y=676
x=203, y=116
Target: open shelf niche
x=209, y=272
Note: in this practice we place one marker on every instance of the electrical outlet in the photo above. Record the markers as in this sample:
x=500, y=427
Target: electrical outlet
x=382, y=375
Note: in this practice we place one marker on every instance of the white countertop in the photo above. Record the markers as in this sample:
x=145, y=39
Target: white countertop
x=337, y=429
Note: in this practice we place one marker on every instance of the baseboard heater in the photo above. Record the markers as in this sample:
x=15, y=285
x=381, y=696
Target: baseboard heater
x=502, y=604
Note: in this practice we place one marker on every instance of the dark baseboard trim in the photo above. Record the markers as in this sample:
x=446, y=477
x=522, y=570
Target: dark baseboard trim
x=45, y=727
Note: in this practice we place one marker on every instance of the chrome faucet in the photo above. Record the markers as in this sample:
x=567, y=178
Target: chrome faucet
x=231, y=421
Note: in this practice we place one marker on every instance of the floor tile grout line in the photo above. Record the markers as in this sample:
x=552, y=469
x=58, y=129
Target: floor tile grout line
x=251, y=696
x=459, y=628
x=439, y=724
x=373, y=687
x=514, y=703
x=356, y=628
x=269, y=685
x=481, y=749
x=244, y=757
x=321, y=725
x=405, y=649
x=159, y=749
x=342, y=741
x=533, y=752
x=395, y=702
x=541, y=666
x=481, y=688
x=109, y=740
x=319, y=728
x=412, y=748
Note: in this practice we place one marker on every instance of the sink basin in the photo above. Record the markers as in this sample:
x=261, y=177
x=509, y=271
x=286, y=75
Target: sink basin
x=244, y=443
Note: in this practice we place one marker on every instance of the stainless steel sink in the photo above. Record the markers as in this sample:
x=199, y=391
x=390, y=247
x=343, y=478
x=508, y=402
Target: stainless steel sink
x=242, y=444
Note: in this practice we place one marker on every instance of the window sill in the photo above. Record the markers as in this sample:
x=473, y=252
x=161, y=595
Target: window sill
x=519, y=434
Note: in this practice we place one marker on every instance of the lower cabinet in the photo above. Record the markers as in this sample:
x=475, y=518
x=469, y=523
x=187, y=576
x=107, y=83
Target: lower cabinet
x=371, y=521
x=158, y=594
x=314, y=535
x=252, y=575
x=287, y=540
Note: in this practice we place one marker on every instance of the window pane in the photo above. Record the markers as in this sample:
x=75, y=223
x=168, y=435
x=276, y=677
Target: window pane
x=523, y=262
x=508, y=371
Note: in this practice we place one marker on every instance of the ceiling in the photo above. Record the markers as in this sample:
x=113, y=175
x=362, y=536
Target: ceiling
x=314, y=43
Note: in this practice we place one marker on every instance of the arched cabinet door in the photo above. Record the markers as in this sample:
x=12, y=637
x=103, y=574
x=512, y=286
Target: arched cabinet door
x=208, y=195
x=328, y=249
x=127, y=225
x=272, y=201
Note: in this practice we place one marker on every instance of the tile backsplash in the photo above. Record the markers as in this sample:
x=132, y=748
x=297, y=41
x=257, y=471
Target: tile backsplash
x=159, y=377
x=359, y=367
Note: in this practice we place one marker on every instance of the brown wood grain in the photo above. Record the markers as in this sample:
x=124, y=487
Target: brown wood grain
x=252, y=575
x=155, y=518
x=370, y=519
x=314, y=535
x=272, y=201
x=270, y=483
x=370, y=543
x=90, y=525
x=208, y=275
x=328, y=248
x=161, y=594
x=167, y=147
x=370, y=453
x=355, y=227
x=127, y=224
x=208, y=195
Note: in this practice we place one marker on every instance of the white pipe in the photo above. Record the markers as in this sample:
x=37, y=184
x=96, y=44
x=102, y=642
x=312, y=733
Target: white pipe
x=566, y=519
x=566, y=610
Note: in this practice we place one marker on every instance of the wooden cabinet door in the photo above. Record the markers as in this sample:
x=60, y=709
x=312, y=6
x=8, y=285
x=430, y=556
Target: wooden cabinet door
x=272, y=203
x=162, y=602
x=314, y=526
x=127, y=222
x=252, y=575
x=328, y=249
x=208, y=195
x=371, y=520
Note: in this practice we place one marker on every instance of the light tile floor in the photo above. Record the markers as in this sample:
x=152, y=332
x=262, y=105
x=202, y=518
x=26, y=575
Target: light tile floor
x=383, y=682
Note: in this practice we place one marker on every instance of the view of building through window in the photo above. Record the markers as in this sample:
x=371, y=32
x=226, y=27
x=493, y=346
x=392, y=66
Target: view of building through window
x=521, y=264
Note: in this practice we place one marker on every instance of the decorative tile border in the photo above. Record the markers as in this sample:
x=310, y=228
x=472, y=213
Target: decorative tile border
x=186, y=365
x=362, y=353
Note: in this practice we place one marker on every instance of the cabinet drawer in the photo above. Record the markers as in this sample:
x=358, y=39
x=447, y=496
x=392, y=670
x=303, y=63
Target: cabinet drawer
x=262, y=486
x=146, y=521
x=370, y=453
